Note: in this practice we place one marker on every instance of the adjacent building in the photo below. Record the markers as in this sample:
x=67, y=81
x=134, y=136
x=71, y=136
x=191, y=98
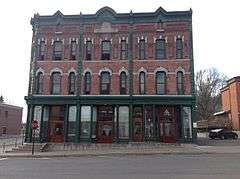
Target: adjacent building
x=230, y=95
x=10, y=119
x=112, y=77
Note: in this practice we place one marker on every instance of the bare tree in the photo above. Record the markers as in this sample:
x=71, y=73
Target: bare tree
x=208, y=85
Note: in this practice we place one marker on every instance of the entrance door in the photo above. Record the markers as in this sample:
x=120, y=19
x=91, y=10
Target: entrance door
x=167, y=124
x=56, y=122
x=137, y=124
x=105, y=117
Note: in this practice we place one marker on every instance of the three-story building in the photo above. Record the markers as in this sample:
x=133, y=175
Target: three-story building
x=112, y=77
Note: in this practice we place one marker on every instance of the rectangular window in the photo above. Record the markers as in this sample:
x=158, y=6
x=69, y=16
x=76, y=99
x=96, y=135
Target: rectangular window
x=123, y=54
x=57, y=50
x=72, y=114
x=73, y=50
x=6, y=114
x=106, y=49
x=187, y=123
x=160, y=49
x=45, y=124
x=149, y=126
x=142, y=49
x=37, y=117
x=89, y=50
x=85, y=122
x=41, y=50
x=94, y=122
x=179, y=48
x=123, y=122
x=4, y=130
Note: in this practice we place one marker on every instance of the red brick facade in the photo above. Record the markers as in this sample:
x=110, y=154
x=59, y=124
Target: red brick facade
x=10, y=119
x=231, y=101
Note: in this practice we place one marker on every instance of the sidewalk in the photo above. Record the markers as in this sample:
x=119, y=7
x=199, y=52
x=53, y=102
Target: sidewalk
x=183, y=149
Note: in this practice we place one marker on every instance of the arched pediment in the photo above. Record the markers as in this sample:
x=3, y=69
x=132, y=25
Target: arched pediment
x=87, y=70
x=106, y=14
x=39, y=70
x=160, y=69
x=123, y=70
x=56, y=70
x=105, y=69
x=72, y=70
x=180, y=69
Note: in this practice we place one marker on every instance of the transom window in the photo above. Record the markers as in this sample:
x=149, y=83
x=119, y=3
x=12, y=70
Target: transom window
x=179, y=48
x=106, y=48
x=105, y=83
x=123, y=83
x=71, y=83
x=89, y=50
x=142, y=49
x=73, y=50
x=123, y=50
x=161, y=82
x=39, y=86
x=87, y=85
x=142, y=82
x=56, y=83
x=57, y=50
x=160, y=49
x=180, y=88
x=41, y=50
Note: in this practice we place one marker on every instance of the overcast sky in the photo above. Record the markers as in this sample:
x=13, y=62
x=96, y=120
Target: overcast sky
x=216, y=35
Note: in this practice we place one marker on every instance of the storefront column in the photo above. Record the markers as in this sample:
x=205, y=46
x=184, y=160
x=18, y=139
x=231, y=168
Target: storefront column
x=41, y=125
x=78, y=124
x=143, y=122
x=155, y=138
x=130, y=122
x=194, y=129
x=65, y=124
x=91, y=124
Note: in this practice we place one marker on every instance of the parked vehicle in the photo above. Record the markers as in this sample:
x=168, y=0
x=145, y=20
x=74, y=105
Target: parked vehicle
x=222, y=134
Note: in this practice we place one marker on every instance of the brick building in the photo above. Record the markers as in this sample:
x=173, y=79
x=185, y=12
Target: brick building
x=112, y=77
x=10, y=119
x=230, y=95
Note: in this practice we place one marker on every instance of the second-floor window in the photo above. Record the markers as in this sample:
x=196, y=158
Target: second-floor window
x=56, y=83
x=161, y=82
x=73, y=50
x=71, y=83
x=179, y=48
x=41, y=50
x=123, y=54
x=123, y=83
x=142, y=83
x=105, y=83
x=88, y=50
x=39, y=83
x=87, y=83
x=57, y=50
x=142, y=49
x=160, y=49
x=106, y=50
x=180, y=88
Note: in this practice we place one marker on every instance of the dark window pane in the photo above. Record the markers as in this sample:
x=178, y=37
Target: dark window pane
x=106, y=47
x=73, y=50
x=142, y=82
x=142, y=49
x=87, y=83
x=40, y=83
x=160, y=49
x=123, y=50
x=160, y=82
x=123, y=81
x=88, y=50
x=105, y=83
x=57, y=50
x=71, y=84
x=56, y=83
x=179, y=48
x=41, y=50
x=180, y=82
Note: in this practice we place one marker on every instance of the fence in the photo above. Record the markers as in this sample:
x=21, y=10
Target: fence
x=9, y=142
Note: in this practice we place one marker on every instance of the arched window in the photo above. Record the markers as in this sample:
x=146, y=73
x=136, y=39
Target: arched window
x=160, y=49
x=105, y=83
x=123, y=83
x=56, y=83
x=179, y=48
x=39, y=82
x=161, y=82
x=180, y=88
x=142, y=83
x=87, y=85
x=71, y=83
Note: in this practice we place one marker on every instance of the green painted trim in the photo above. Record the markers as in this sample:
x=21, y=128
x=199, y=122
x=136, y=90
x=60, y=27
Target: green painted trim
x=78, y=123
x=91, y=123
x=41, y=124
x=130, y=122
x=65, y=122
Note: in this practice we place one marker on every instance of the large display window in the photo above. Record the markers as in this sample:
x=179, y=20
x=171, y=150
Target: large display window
x=187, y=123
x=72, y=112
x=85, y=122
x=123, y=122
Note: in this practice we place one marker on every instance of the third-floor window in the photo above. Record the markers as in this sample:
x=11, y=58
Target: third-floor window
x=179, y=48
x=160, y=49
x=71, y=83
x=105, y=83
x=87, y=83
x=88, y=50
x=142, y=83
x=73, y=50
x=106, y=50
x=123, y=54
x=41, y=50
x=57, y=50
x=142, y=49
x=123, y=83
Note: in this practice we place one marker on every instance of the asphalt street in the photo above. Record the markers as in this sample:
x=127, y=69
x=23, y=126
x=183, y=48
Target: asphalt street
x=214, y=166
